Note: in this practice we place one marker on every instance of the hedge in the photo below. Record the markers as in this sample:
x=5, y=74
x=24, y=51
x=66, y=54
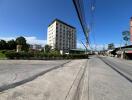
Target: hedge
x=41, y=55
x=20, y=55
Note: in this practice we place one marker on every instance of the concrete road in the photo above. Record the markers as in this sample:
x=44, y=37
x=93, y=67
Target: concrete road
x=122, y=66
x=60, y=84
x=107, y=84
x=17, y=72
x=88, y=79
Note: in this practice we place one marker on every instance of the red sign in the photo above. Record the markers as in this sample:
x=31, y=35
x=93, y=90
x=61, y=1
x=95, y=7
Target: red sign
x=128, y=51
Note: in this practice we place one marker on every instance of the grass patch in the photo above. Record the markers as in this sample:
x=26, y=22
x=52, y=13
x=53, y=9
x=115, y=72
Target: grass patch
x=2, y=56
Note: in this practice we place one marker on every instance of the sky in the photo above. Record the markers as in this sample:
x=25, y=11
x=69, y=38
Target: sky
x=30, y=18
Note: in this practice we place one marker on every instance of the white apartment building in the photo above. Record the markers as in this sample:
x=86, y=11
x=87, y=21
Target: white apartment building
x=61, y=36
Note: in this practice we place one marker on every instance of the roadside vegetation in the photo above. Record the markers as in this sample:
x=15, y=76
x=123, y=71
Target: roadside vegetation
x=42, y=56
x=2, y=55
x=19, y=49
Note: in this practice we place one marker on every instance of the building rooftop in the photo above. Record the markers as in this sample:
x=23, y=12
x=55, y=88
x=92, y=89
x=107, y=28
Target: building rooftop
x=61, y=22
x=123, y=47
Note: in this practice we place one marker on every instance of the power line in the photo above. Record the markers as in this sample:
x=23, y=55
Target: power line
x=79, y=6
x=92, y=7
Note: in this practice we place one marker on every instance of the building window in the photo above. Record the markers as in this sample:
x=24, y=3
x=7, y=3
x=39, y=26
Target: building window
x=60, y=29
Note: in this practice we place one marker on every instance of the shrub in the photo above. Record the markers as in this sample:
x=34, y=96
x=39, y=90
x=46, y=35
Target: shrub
x=42, y=55
x=3, y=51
x=10, y=54
x=75, y=56
x=2, y=55
x=18, y=55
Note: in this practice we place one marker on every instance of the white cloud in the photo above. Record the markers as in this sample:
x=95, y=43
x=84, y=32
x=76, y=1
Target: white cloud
x=34, y=40
x=6, y=38
x=30, y=40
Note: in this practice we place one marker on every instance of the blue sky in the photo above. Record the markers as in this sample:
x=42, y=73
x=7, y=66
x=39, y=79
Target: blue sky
x=30, y=18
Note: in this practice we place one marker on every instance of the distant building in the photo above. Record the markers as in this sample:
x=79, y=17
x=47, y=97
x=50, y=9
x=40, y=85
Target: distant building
x=36, y=47
x=131, y=29
x=61, y=36
x=124, y=52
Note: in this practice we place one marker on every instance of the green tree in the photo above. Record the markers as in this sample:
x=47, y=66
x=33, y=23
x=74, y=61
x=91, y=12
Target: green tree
x=126, y=36
x=11, y=45
x=20, y=41
x=47, y=48
x=111, y=46
x=3, y=45
x=55, y=51
x=25, y=47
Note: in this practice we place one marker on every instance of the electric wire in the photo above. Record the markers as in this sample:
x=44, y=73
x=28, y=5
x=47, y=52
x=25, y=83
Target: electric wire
x=79, y=6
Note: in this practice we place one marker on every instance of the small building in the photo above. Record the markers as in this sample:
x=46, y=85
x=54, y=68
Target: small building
x=109, y=52
x=124, y=52
x=36, y=47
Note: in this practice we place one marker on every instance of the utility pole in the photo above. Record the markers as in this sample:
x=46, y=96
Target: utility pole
x=131, y=30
